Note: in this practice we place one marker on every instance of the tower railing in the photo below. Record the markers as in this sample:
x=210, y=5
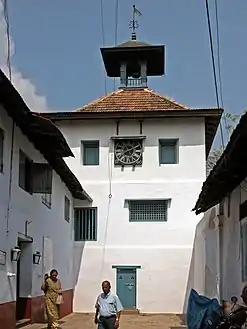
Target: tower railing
x=136, y=82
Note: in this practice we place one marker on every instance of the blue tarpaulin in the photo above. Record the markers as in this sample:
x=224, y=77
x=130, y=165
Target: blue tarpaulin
x=202, y=312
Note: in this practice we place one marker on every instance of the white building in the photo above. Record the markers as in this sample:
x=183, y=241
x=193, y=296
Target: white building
x=141, y=156
x=37, y=227
x=219, y=266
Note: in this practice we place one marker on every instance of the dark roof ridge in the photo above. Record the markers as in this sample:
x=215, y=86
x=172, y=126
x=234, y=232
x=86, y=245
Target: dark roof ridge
x=43, y=133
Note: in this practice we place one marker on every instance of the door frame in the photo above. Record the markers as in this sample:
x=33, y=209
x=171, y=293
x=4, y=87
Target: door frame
x=22, y=303
x=128, y=267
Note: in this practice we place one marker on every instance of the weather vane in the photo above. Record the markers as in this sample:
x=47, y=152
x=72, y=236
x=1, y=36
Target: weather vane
x=133, y=23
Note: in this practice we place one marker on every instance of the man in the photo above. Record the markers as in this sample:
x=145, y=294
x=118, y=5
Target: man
x=108, y=308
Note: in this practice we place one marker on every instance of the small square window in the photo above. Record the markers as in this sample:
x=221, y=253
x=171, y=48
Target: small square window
x=25, y=172
x=85, y=224
x=168, y=151
x=67, y=209
x=46, y=200
x=1, y=149
x=90, y=153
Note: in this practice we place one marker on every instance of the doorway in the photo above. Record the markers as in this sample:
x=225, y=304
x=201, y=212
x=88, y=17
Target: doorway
x=24, y=280
x=126, y=287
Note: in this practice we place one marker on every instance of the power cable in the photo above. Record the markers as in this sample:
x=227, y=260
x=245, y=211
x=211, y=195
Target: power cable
x=214, y=70
x=116, y=33
x=6, y=18
x=103, y=36
x=219, y=64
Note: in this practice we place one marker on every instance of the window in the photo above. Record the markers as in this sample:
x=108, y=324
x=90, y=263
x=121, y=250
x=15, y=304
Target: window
x=85, y=224
x=25, y=169
x=46, y=200
x=90, y=153
x=1, y=149
x=148, y=210
x=66, y=209
x=168, y=151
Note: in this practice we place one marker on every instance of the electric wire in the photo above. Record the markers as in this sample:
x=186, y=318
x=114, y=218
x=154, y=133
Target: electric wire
x=219, y=64
x=103, y=36
x=6, y=18
x=116, y=33
x=214, y=69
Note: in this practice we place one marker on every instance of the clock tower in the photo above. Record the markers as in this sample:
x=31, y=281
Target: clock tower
x=134, y=61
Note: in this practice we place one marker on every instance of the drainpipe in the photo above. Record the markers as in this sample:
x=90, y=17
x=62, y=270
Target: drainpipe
x=220, y=252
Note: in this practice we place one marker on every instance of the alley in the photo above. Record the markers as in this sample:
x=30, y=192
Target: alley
x=85, y=321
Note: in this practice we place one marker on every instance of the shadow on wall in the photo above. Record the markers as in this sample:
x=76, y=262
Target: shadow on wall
x=77, y=254
x=203, y=266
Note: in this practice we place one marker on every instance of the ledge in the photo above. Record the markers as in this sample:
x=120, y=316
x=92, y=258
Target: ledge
x=126, y=267
x=127, y=137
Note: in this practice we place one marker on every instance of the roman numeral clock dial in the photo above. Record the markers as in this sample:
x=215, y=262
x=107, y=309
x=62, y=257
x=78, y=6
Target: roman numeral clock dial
x=128, y=152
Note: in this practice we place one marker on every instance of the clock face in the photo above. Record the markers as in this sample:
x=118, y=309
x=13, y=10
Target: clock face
x=128, y=152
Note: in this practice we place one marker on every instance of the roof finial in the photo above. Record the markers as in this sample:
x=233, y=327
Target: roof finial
x=134, y=24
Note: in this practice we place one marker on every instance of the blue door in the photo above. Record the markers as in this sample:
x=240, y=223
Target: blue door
x=126, y=287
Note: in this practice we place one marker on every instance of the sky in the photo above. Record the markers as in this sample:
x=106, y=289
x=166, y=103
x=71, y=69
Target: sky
x=56, y=58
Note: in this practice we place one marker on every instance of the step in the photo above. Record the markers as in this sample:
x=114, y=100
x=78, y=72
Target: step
x=131, y=311
x=22, y=323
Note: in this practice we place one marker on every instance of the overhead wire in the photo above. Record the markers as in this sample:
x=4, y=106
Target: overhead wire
x=8, y=63
x=214, y=69
x=219, y=72
x=110, y=154
x=219, y=64
x=116, y=33
x=103, y=36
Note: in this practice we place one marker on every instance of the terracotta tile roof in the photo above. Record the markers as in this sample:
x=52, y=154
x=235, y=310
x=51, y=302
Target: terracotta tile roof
x=132, y=100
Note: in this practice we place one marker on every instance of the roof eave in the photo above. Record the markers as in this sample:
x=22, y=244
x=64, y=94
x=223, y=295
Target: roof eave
x=212, y=118
x=43, y=134
x=105, y=114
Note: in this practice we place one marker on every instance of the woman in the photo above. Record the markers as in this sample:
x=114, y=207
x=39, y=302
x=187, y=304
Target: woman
x=52, y=289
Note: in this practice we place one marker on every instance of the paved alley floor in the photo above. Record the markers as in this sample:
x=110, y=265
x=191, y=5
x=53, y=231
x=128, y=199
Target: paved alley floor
x=139, y=321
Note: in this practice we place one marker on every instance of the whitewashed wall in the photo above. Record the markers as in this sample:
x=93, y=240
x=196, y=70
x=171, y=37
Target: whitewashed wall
x=217, y=250
x=163, y=250
x=44, y=222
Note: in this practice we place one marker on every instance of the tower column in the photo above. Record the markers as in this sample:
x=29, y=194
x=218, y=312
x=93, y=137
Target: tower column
x=123, y=75
x=143, y=74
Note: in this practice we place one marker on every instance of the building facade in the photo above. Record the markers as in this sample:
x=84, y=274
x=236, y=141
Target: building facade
x=220, y=248
x=141, y=156
x=37, y=194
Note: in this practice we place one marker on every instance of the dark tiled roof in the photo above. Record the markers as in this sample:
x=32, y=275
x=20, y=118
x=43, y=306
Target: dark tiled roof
x=132, y=100
x=40, y=131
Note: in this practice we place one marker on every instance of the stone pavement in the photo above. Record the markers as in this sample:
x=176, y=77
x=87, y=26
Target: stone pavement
x=138, y=321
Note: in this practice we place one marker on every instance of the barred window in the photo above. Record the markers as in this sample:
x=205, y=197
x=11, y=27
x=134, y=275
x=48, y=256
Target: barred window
x=85, y=224
x=148, y=210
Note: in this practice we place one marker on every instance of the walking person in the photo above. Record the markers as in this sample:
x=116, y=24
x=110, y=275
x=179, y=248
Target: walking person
x=53, y=298
x=108, y=308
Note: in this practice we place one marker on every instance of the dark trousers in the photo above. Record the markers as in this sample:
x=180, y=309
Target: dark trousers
x=107, y=322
